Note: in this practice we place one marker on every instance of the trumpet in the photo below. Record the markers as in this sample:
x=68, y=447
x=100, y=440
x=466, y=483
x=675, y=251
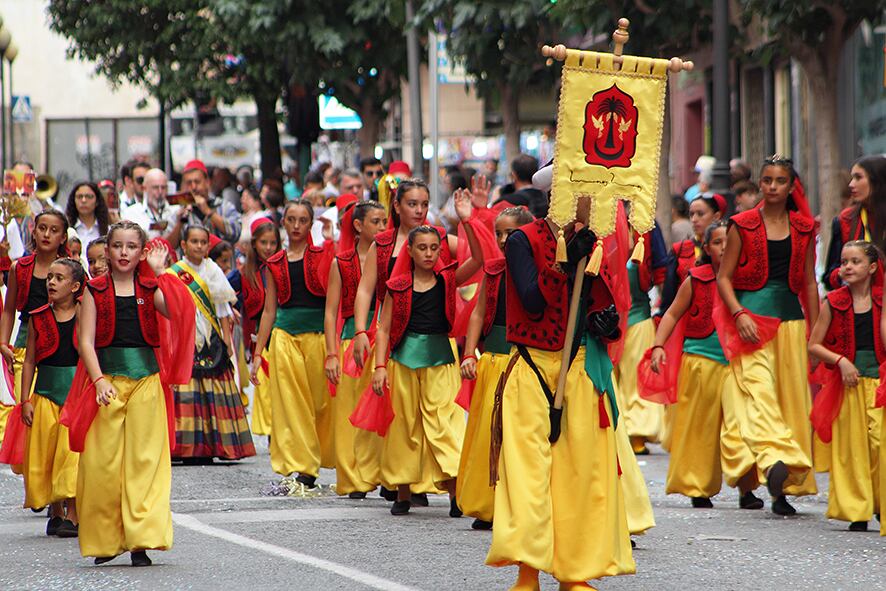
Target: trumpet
x=47, y=187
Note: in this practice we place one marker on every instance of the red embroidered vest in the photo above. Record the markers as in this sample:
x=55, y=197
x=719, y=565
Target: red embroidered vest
x=547, y=330
x=24, y=271
x=700, y=322
x=102, y=290
x=851, y=229
x=495, y=272
x=752, y=270
x=46, y=329
x=253, y=295
x=685, y=255
x=840, y=337
x=349, y=269
x=400, y=289
x=278, y=265
x=384, y=250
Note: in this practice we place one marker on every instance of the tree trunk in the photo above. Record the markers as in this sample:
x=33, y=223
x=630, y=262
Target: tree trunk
x=663, y=199
x=367, y=135
x=269, y=137
x=510, y=120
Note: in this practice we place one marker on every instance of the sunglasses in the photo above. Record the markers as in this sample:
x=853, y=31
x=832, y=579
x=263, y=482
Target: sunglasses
x=139, y=179
x=374, y=173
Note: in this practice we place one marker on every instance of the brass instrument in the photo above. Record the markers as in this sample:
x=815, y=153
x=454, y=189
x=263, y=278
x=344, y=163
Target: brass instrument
x=47, y=187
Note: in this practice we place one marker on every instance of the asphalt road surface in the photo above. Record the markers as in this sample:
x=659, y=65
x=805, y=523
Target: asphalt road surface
x=230, y=534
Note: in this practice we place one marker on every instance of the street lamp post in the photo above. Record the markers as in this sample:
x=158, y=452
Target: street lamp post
x=414, y=69
x=720, y=121
x=10, y=55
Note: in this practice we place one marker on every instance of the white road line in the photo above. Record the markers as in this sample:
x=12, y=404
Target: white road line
x=347, y=572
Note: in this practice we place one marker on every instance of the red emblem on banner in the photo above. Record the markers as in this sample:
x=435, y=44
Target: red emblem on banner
x=610, y=129
x=185, y=277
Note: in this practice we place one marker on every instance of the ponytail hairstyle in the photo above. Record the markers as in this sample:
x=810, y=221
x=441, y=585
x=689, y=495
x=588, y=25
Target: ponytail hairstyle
x=63, y=247
x=404, y=187
x=127, y=225
x=705, y=258
x=78, y=273
x=787, y=164
x=362, y=208
x=425, y=229
x=870, y=250
x=304, y=203
x=520, y=214
x=253, y=265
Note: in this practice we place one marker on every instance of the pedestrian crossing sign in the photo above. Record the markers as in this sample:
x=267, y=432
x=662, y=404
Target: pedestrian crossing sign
x=21, y=109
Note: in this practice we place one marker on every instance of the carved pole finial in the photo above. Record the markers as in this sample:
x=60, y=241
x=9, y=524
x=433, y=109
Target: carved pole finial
x=621, y=36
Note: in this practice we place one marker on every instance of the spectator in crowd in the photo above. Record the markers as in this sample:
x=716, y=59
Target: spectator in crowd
x=155, y=214
x=351, y=182
x=681, y=227
x=399, y=170
x=112, y=200
x=747, y=195
x=127, y=190
x=490, y=170
x=245, y=176
x=87, y=212
x=313, y=182
x=223, y=185
x=704, y=167
x=219, y=216
x=371, y=170
x=522, y=169
x=253, y=208
x=292, y=188
x=332, y=180
x=454, y=181
x=139, y=169
x=739, y=171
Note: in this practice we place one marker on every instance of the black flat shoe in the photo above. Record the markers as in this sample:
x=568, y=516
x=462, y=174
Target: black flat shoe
x=480, y=524
x=67, y=529
x=400, y=507
x=52, y=525
x=750, y=501
x=702, y=503
x=308, y=480
x=387, y=494
x=103, y=559
x=633, y=543
x=776, y=478
x=357, y=495
x=37, y=510
x=858, y=526
x=420, y=499
x=781, y=507
x=454, y=511
x=140, y=558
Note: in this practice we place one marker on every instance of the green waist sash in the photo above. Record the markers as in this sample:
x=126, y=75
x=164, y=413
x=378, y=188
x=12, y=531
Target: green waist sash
x=130, y=362
x=299, y=320
x=497, y=340
x=598, y=366
x=53, y=382
x=640, y=306
x=707, y=347
x=21, y=339
x=866, y=364
x=348, y=330
x=416, y=351
x=774, y=299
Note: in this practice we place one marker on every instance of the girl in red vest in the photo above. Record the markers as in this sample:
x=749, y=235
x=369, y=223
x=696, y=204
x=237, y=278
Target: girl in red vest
x=865, y=219
x=26, y=290
x=356, y=450
x=295, y=299
x=847, y=339
x=50, y=467
x=768, y=269
x=488, y=324
x=119, y=410
x=426, y=434
x=250, y=283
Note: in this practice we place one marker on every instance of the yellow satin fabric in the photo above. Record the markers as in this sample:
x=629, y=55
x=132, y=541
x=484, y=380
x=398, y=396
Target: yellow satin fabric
x=301, y=432
x=261, y=405
x=854, y=493
x=558, y=508
x=19, y=355
x=736, y=458
x=475, y=497
x=349, y=473
x=641, y=417
x=882, y=477
x=772, y=404
x=242, y=374
x=125, y=475
x=50, y=467
x=694, y=469
x=638, y=507
x=424, y=439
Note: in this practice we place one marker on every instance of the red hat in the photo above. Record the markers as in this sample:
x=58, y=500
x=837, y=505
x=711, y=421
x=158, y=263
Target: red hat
x=345, y=204
x=259, y=221
x=106, y=184
x=195, y=165
x=398, y=166
x=214, y=241
x=721, y=202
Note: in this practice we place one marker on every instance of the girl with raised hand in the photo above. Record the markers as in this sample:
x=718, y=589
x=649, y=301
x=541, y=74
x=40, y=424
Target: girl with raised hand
x=417, y=315
x=356, y=450
x=846, y=412
x=50, y=467
x=295, y=300
x=120, y=411
x=768, y=270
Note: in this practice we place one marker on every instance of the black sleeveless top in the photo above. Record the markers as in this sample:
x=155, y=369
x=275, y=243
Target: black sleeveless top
x=779, y=252
x=501, y=310
x=429, y=311
x=66, y=355
x=299, y=296
x=127, y=329
x=37, y=297
x=864, y=331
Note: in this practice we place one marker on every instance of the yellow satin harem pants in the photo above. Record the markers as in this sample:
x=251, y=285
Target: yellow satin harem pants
x=353, y=446
x=855, y=461
x=475, y=497
x=425, y=437
x=261, y=405
x=642, y=418
x=638, y=507
x=125, y=475
x=19, y=354
x=301, y=430
x=772, y=404
x=50, y=467
x=558, y=508
x=694, y=469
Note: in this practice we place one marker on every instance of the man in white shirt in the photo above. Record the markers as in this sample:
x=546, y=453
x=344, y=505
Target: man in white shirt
x=138, y=172
x=153, y=212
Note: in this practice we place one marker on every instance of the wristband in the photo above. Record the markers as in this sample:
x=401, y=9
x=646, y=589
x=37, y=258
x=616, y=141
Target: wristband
x=738, y=313
x=95, y=381
x=359, y=332
x=654, y=347
x=466, y=357
x=382, y=366
x=840, y=358
x=332, y=356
